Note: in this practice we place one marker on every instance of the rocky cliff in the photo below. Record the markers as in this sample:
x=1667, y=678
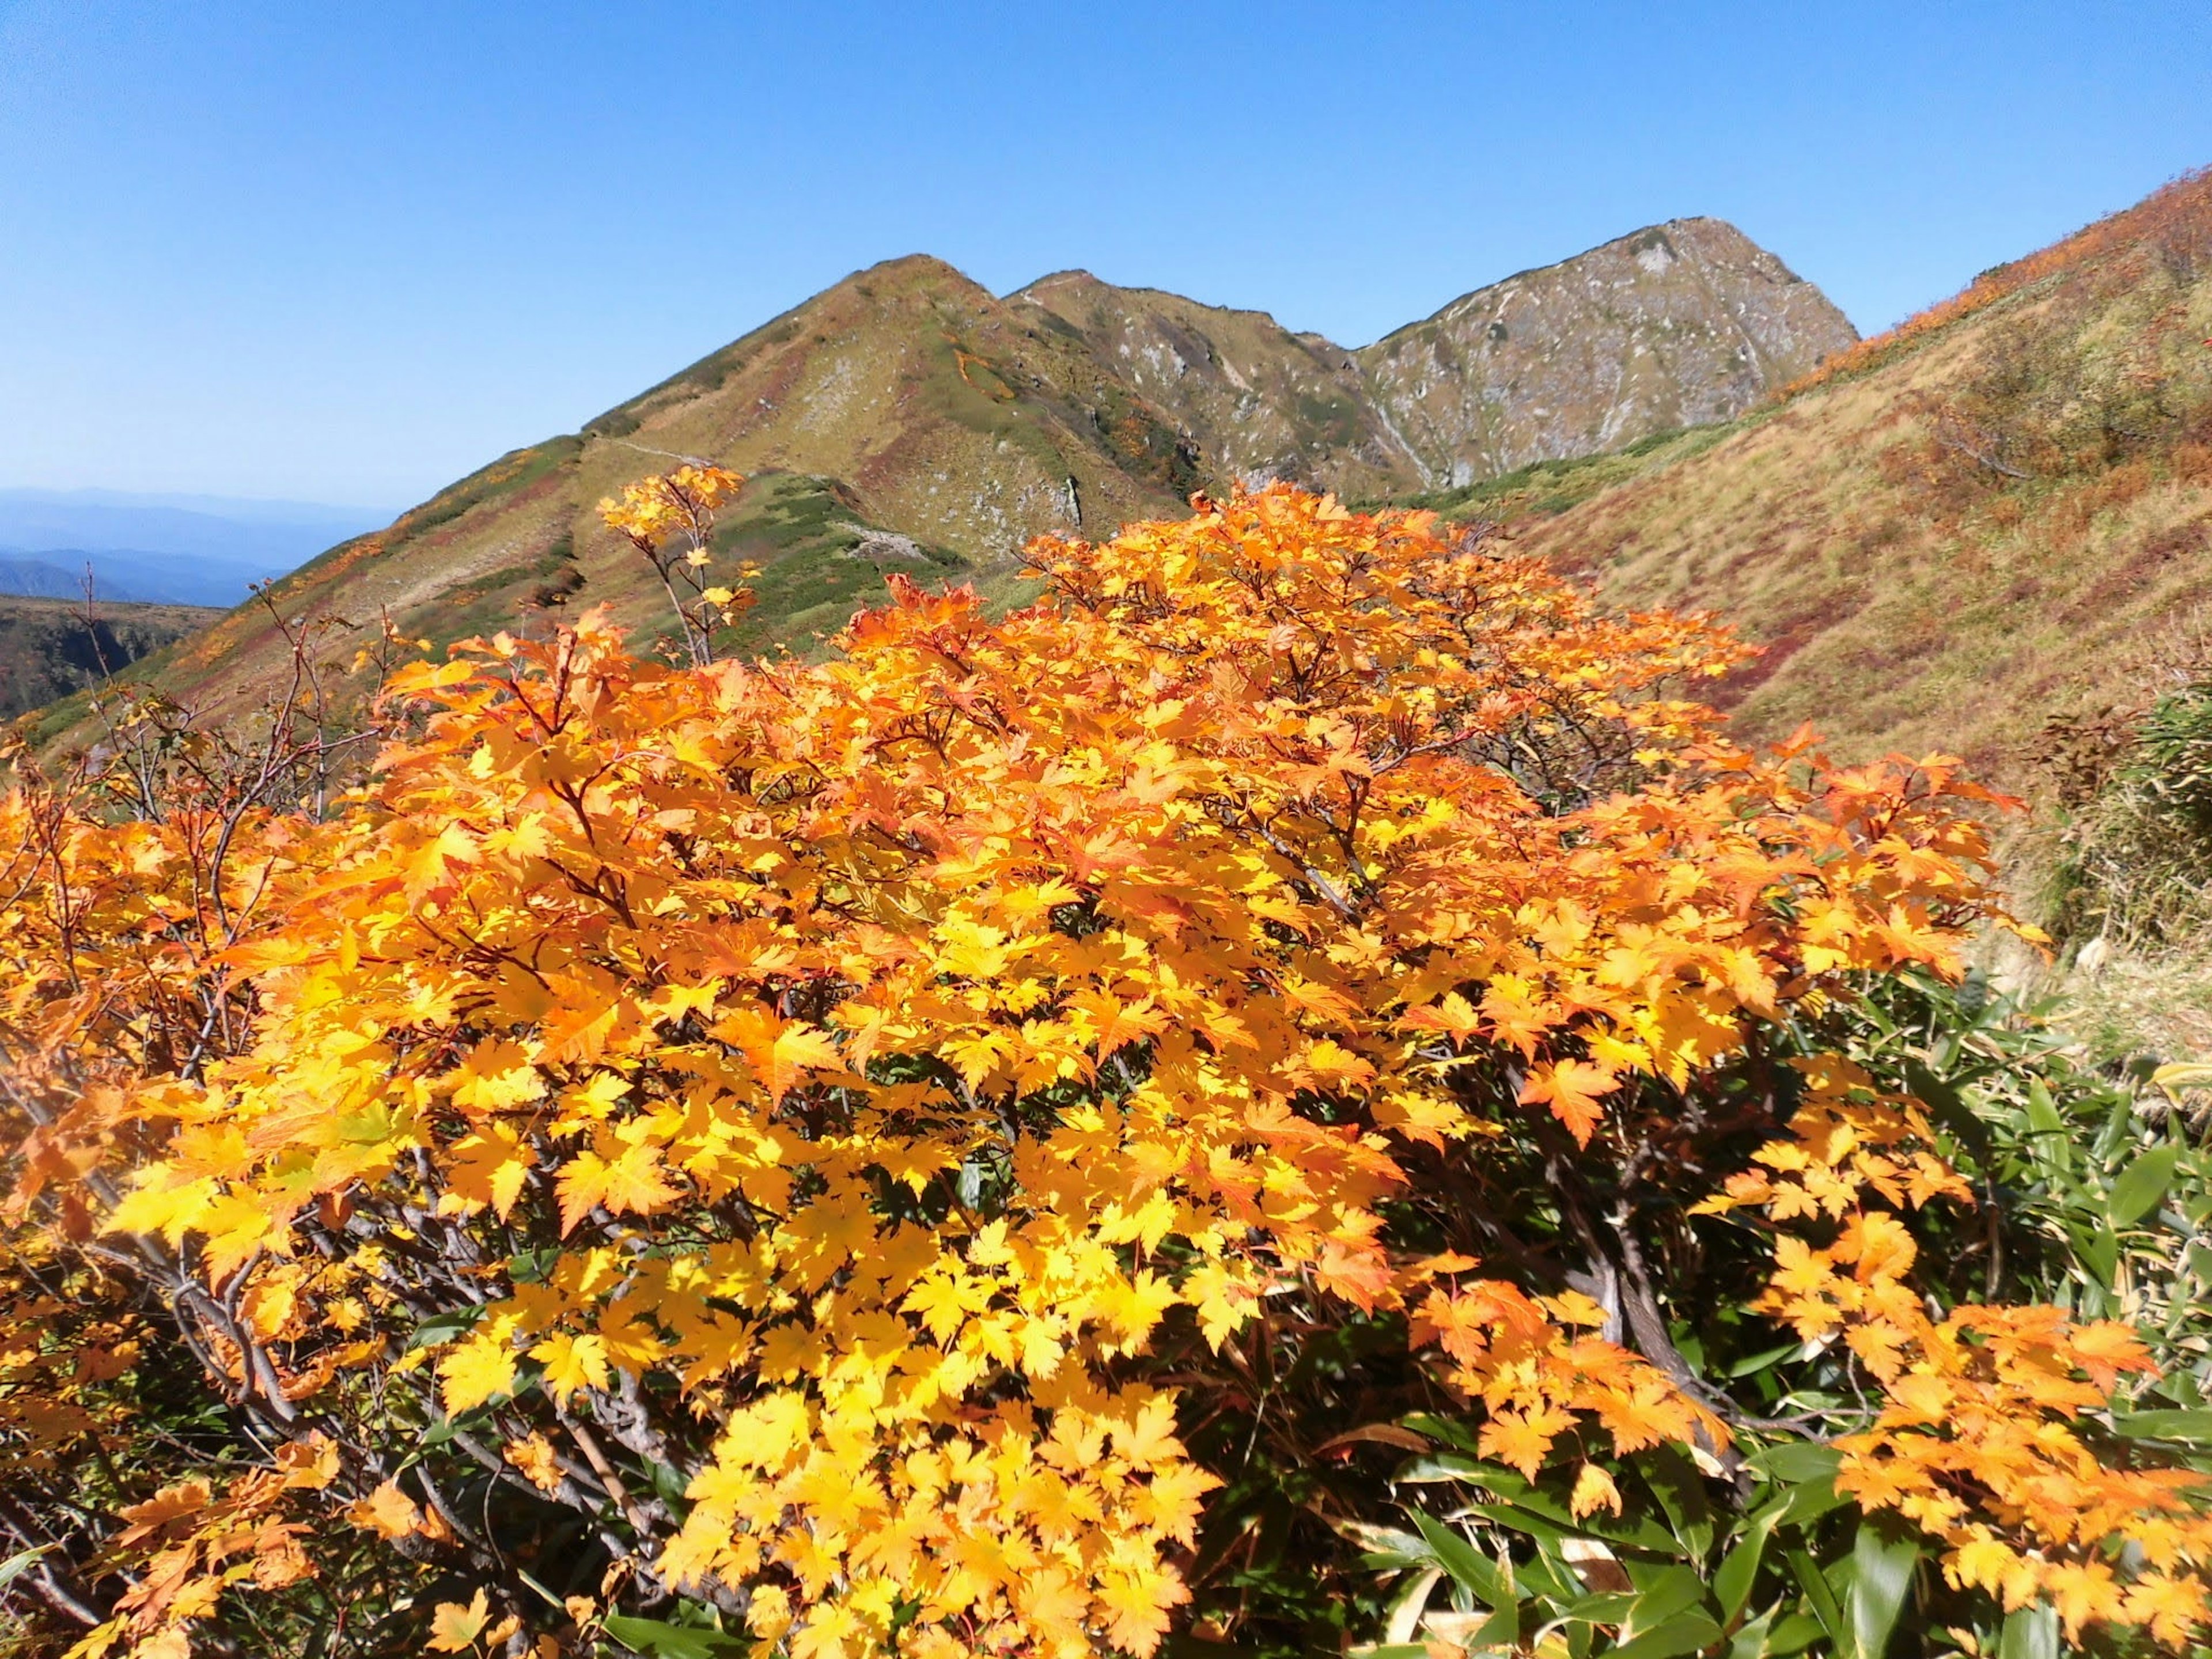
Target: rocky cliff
x=1678, y=324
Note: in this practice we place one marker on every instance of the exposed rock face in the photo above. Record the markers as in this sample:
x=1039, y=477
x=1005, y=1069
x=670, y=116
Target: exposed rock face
x=1259, y=401
x=1677, y=325
x=1674, y=326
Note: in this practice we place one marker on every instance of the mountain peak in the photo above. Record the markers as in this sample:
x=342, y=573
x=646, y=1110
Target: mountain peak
x=1679, y=323
x=1057, y=282
x=920, y=271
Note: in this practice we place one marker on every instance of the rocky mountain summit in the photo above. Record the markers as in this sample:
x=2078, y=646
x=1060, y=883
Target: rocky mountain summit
x=1676, y=324
x=1679, y=324
x=1254, y=400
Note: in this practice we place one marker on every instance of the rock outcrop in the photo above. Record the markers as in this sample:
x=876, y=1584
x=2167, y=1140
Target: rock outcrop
x=1678, y=324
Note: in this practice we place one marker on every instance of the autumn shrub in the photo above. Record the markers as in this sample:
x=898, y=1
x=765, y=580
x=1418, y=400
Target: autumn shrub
x=1052, y=1134
x=2171, y=229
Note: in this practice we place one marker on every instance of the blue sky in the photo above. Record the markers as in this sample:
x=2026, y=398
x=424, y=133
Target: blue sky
x=348, y=253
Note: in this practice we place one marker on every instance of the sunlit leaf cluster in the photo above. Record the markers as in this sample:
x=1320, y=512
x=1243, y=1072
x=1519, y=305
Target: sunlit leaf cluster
x=971, y=1145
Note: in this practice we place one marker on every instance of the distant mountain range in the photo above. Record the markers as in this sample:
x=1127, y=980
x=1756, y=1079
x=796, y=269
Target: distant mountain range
x=908, y=414
x=190, y=549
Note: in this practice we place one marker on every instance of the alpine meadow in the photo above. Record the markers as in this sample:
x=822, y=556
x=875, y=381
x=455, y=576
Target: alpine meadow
x=1068, y=974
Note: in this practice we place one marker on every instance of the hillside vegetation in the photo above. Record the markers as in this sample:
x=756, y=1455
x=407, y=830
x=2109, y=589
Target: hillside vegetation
x=1295, y=1097
x=1988, y=532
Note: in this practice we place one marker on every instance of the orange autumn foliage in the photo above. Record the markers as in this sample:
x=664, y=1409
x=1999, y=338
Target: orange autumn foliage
x=784, y=1113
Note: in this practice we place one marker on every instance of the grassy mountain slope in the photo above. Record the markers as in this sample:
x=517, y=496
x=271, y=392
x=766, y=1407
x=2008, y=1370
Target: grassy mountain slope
x=1979, y=526
x=1990, y=532
x=1673, y=325
x=905, y=400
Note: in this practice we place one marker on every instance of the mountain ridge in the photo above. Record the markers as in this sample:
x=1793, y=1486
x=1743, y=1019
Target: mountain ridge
x=908, y=401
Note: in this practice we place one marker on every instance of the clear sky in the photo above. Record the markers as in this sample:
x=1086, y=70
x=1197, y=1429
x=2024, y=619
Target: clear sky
x=349, y=251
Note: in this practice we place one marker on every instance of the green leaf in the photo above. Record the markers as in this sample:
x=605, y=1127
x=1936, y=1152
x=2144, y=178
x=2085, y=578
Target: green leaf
x=2142, y=1184
x=1817, y=1591
x=1384, y=1549
x=1793, y=1634
x=1948, y=1107
x=1758, y=1362
x=1662, y=1595
x=1681, y=1489
x=2053, y=1144
x=1408, y=1605
x=1685, y=1634
x=444, y=1326
x=2098, y=1250
x=659, y=1640
x=1468, y=1566
x=1739, y=1568
x=440, y=1431
x=670, y=1485
x=20, y=1563
x=1792, y=1462
x=2030, y=1634
x=1881, y=1576
x=1502, y=1630
x=1547, y=1574
x=1749, y=1641
x=2190, y=1425
x=1813, y=1500
x=1600, y=1607
x=1549, y=1523
x=1444, y=1429
x=1806, y=1472
x=1431, y=1468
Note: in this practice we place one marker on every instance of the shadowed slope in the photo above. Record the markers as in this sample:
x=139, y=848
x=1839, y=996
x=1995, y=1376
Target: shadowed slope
x=49, y=650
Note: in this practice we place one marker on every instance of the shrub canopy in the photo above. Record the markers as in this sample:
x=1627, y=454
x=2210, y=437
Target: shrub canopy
x=941, y=1147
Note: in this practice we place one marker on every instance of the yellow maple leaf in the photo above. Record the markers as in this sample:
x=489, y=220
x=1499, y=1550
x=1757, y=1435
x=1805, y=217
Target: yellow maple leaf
x=480, y=1367
x=534, y=1456
x=632, y=1183
x=1594, y=1490
x=388, y=1512
x=454, y=1628
x=1572, y=1088
x=574, y=1363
